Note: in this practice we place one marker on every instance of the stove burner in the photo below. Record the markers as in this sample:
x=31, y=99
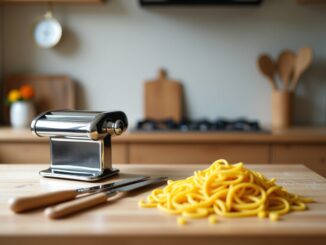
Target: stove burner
x=151, y=125
x=199, y=125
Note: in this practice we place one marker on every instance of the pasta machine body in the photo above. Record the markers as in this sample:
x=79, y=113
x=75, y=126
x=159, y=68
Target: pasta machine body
x=80, y=142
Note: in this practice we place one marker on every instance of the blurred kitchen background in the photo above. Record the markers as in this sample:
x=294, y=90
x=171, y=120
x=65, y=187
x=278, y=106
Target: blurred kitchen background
x=110, y=49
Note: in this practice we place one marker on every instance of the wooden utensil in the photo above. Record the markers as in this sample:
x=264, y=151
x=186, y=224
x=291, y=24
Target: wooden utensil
x=267, y=68
x=22, y=204
x=303, y=61
x=82, y=203
x=285, y=67
x=163, y=98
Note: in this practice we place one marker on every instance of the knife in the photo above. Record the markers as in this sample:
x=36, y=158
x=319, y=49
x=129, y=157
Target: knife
x=71, y=207
x=22, y=204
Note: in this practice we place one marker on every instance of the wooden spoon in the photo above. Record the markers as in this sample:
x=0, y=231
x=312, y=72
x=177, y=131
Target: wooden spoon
x=267, y=68
x=303, y=61
x=285, y=66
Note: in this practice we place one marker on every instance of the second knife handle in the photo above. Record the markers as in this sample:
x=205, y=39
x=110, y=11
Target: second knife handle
x=22, y=204
x=65, y=209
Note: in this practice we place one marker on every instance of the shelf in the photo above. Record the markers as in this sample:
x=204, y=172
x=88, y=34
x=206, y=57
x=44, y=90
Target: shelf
x=311, y=1
x=7, y=2
x=198, y=2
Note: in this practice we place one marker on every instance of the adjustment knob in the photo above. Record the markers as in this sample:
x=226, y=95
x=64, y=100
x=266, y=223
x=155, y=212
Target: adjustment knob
x=118, y=127
x=115, y=128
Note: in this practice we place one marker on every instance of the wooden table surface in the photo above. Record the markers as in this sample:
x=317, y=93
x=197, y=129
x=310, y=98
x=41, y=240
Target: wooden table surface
x=123, y=222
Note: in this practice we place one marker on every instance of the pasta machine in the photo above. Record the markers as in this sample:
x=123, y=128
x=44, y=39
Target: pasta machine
x=80, y=142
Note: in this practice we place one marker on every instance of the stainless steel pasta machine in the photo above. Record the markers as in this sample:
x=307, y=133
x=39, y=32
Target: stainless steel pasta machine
x=80, y=142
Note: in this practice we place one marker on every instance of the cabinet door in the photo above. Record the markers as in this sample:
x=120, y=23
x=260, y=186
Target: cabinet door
x=119, y=153
x=198, y=153
x=313, y=156
x=27, y=152
x=24, y=152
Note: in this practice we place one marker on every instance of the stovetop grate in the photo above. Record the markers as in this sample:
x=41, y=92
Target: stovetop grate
x=204, y=125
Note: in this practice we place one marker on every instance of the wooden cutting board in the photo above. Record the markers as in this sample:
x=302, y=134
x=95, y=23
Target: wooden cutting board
x=51, y=92
x=163, y=98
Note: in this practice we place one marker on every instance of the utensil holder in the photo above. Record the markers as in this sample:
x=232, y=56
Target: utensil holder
x=281, y=109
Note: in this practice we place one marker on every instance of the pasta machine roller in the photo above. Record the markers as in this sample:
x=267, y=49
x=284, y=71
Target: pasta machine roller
x=80, y=142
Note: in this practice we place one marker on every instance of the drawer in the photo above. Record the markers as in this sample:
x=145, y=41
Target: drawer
x=313, y=156
x=198, y=153
x=27, y=152
x=24, y=152
x=119, y=153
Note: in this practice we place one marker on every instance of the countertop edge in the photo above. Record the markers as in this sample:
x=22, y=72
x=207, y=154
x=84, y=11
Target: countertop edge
x=293, y=135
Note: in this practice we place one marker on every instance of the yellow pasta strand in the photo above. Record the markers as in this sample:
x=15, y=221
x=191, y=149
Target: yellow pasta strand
x=225, y=190
x=212, y=219
x=181, y=221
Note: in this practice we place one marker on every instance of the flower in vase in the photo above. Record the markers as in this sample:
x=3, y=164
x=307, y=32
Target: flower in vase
x=24, y=93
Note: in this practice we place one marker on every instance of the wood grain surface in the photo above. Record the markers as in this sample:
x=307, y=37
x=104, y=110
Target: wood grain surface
x=163, y=98
x=123, y=222
x=282, y=104
x=303, y=145
x=173, y=153
x=305, y=135
x=51, y=92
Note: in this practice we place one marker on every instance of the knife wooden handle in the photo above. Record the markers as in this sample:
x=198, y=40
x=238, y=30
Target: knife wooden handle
x=75, y=206
x=22, y=204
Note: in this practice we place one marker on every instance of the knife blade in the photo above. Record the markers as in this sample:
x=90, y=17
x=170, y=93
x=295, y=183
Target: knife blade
x=22, y=204
x=111, y=185
x=135, y=186
x=71, y=207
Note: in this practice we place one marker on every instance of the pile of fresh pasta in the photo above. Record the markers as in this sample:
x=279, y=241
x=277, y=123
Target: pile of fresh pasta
x=227, y=190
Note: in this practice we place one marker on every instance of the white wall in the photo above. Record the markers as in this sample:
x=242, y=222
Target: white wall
x=111, y=49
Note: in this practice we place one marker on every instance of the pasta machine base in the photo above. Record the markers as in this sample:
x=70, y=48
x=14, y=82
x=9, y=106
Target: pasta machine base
x=79, y=175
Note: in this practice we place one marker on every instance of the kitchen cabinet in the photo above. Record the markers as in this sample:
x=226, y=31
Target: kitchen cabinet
x=312, y=155
x=197, y=153
x=19, y=152
x=120, y=153
x=39, y=152
x=296, y=145
x=123, y=222
x=50, y=1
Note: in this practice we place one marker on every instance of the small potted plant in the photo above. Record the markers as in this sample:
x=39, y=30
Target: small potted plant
x=22, y=109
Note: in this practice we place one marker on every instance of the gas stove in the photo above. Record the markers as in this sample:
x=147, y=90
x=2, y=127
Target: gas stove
x=239, y=125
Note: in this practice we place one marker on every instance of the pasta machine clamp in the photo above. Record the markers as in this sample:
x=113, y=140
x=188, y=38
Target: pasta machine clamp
x=80, y=142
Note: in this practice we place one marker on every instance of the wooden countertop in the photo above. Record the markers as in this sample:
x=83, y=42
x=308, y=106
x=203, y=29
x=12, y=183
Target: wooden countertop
x=123, y=222
x=292, y=135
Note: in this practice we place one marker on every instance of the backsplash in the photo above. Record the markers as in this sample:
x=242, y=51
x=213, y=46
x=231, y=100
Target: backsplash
x=111, y=49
